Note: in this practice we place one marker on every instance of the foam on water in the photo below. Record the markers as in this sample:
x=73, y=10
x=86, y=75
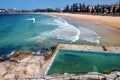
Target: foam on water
x=31, y=19
x=89, y=35
x=53, y=15
x=64, y=31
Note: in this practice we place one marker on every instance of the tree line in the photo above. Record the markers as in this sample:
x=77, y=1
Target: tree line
x=113, y=9
x=102, y=9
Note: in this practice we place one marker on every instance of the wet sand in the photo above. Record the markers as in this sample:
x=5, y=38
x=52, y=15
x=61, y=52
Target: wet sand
x=107, y=27
x=107, y=20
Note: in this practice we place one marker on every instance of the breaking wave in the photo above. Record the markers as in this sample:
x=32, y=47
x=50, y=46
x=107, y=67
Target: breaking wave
x=67, y=32
x=31, y=19
x=64, y=31
x=89, y=35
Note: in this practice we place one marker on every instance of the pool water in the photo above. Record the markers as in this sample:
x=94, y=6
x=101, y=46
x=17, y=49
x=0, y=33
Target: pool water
x=72, y=61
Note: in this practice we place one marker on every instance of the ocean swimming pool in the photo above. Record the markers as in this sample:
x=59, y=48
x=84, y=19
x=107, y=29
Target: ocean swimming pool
x=79, y=61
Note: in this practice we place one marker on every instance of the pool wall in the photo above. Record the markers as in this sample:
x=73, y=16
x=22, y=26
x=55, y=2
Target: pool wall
x=89, y=51
x=93, y=52
x=56, y=52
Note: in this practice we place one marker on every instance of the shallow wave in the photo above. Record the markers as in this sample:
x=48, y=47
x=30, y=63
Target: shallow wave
x=31, y=19
x=64, y=31
x=53, y=16
x=67, y=32
x=89, y=35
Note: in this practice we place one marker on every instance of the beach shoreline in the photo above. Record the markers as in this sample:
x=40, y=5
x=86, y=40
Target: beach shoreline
x=111, y=21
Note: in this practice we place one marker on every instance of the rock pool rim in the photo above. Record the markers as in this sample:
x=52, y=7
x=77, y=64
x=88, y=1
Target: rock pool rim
x=90, y=52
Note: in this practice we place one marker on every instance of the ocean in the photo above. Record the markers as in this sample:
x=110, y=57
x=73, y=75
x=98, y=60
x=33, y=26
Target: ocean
x=37, y=31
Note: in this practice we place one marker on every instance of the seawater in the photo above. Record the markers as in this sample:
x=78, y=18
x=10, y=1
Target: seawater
x=36, y=31
x=73, y=61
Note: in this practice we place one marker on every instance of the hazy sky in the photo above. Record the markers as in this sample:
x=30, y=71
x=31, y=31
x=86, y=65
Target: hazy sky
x=33, y=4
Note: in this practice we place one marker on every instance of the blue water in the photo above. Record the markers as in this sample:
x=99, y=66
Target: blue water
x=21, y=32
x=18, y=31
x=72, y=61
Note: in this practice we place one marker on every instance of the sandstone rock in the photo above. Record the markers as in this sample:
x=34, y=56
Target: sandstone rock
x=20, y=54
x=2, y=69
x=9, y=76
x=47, y=55
x=27, y=65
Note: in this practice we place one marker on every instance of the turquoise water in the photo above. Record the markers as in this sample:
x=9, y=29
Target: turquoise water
x=37, y=31
x=84, y=61
x=19, y=31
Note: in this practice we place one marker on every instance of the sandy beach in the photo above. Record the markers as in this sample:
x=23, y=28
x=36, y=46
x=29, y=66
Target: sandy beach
x=107, y=20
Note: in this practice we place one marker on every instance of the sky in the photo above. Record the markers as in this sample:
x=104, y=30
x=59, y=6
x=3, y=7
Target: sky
x=33, y=4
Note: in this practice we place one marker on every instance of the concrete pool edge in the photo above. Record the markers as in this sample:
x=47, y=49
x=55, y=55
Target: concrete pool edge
x=51, y=60
x=65, y=47
x=46, y=72
x=96, y=52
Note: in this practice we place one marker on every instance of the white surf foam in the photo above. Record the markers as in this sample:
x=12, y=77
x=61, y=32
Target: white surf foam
x=50, y=15
x=32, y=19
x=37, y=38
x=67, y=32
x=64, y=31
x=89, y=35
x=53, y=15
x=38, y=52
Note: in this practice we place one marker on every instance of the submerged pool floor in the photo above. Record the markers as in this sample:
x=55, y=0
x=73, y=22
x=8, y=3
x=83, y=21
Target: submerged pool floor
x=68, y=61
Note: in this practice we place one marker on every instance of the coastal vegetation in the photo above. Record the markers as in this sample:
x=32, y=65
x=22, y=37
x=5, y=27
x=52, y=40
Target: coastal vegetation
x=98, y=9
x=25, y=64
x=113, y=9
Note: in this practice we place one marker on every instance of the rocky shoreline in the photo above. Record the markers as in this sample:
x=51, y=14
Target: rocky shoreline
x=24, y=64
